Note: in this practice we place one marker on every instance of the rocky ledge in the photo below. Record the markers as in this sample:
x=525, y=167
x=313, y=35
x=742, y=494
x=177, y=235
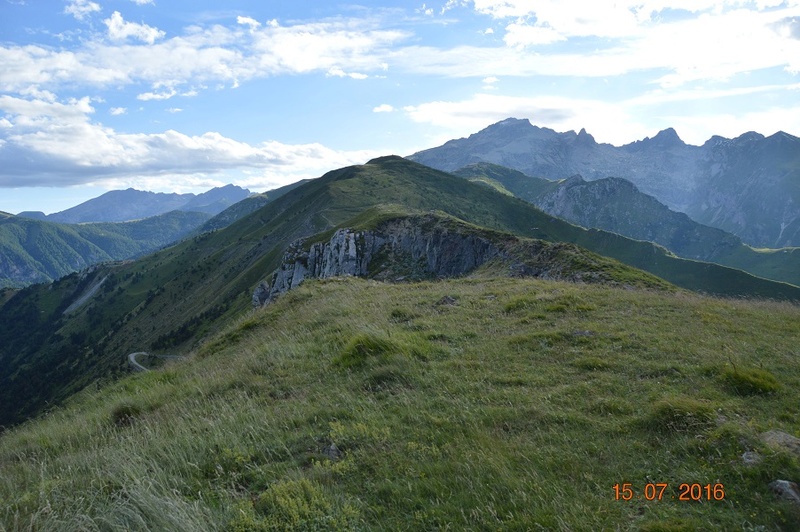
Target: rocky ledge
x=426, y=247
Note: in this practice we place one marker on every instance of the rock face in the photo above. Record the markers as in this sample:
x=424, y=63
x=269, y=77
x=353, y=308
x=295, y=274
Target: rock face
x=747, y=186
x=616, y=205
x=401, y=249
x=434, y=246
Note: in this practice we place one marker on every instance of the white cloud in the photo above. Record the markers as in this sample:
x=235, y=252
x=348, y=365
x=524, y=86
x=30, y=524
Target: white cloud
x=46, y=143
x=327, y=46
x=714, y=40
x=143, y=2
x=117, y=111
x=119, y=30
x=622, y=121
x=452, y=4
x=425, y=10
x=522, y=34
x=490, y=83
x=174, y=110
x=80, y=9
x=148, y=96
x=337, y=72
x=383, y=108
x=608, y=122
x=710, y=46
x=247, y=21
x=701, y=126
x=215, y=55
x=38, y=94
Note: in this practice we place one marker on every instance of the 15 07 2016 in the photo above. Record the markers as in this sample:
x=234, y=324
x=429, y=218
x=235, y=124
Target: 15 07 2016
x=656, y=491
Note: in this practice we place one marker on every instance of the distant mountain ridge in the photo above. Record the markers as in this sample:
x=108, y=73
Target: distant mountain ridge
x=615, y=204
x=748, y=186
x=175, y=298
x=132, y=204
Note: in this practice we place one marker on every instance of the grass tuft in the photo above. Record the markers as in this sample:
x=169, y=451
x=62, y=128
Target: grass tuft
x=680, y=414
x=751, y=381
x=125, y=413
x=364, y=347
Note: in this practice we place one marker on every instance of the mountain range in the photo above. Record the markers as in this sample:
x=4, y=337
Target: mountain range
x=131, y=204
x=170, y=300
x=617, y=205
x=394, y=346
x=117, y=225
x=748, y=186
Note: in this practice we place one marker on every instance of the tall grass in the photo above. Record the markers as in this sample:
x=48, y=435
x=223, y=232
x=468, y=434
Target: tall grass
x=508, y=405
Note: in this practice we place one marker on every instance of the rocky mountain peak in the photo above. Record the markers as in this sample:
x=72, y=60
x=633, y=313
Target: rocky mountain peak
x=750, y=136
x=577, y=179
x=513, y=122
x=668, y=137
x=781, y=138
x=585, y=138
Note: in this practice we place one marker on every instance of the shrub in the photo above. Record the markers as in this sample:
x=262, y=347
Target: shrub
x=294, y=505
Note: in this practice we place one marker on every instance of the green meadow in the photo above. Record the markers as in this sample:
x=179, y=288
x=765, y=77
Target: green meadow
x=481, y=403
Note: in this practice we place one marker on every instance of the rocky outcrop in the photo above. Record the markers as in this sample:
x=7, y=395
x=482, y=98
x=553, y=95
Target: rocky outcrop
x=405, y=248
x=434, y=246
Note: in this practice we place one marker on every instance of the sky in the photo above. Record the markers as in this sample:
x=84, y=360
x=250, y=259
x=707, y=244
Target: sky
x=186, y=95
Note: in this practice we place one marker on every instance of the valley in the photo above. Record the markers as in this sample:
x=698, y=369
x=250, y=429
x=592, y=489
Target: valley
x=494, y=265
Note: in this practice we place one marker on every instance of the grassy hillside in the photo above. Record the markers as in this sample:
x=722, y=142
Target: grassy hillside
x=33, y=251
x=176, y=298
x=481, y=403
x=616, y=205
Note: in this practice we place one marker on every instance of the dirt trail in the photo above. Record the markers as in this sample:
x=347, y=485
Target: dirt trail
x=138, y=367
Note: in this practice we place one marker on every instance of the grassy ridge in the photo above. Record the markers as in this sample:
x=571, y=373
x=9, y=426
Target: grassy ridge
x=34, y=251
x=480, y=403
x=177, y=297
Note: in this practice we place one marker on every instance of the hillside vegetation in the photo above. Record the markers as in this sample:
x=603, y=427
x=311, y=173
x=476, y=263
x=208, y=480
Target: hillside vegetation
x=481, y=403
x=50, y=346
x=35, y=251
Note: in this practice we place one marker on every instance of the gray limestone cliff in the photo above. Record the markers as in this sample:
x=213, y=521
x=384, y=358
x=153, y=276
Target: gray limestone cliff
x=432, y=247
x=399, y=249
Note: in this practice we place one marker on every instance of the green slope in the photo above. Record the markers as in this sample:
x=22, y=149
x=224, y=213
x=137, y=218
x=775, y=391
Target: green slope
x=178, y=297
x=33, y=251
x=247, y=206
x=616, y=205
x=477, y=404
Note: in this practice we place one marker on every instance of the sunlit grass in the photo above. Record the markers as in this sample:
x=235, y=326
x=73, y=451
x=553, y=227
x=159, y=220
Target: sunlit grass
x=472, y=404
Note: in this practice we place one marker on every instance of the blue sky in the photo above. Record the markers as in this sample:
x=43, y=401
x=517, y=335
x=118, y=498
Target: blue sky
x=179, y=95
